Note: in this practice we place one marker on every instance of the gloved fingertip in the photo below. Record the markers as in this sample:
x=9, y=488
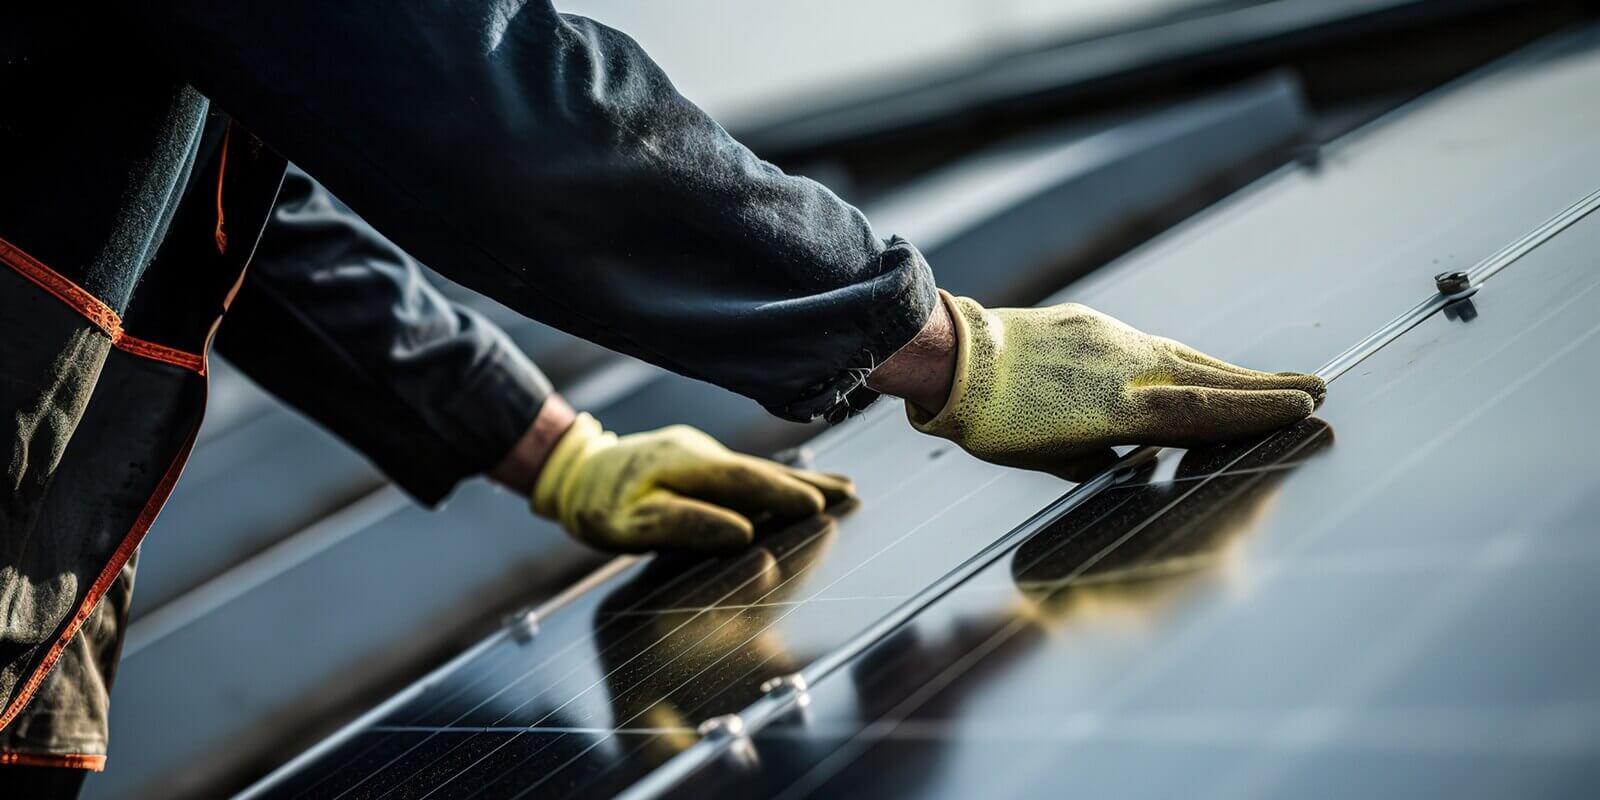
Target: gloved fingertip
x=834, y=488
x=1294, y=405
x=684, y=524
x=731, y=542
x=715, y=536
x=1310, y=384
x=1319, y=391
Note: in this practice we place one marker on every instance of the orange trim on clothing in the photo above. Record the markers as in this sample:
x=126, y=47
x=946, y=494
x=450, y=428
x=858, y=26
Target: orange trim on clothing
x=65, y=290
x=133, y=345
x=119, y=558
x=65, y=760
x=96, y=311
x=222, y=169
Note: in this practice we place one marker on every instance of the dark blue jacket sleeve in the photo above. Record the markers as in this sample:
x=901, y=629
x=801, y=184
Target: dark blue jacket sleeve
x=340, y=323
x=544, y=160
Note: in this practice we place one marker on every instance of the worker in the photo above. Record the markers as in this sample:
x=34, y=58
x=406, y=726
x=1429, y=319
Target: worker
x=539, y=158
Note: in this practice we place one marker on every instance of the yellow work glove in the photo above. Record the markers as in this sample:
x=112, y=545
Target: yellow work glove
x=670, y=489
x=1054, y=388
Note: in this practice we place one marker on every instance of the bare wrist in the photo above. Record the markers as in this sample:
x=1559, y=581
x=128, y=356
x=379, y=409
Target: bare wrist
x=922, y=371
x=520, y=469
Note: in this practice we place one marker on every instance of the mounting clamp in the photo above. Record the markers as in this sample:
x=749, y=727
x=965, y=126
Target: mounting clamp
x=523, y=625
x=1455, y=285
x=790, y=687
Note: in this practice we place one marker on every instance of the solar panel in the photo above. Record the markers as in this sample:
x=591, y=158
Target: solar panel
x=1389, y=599
x=1394, y=598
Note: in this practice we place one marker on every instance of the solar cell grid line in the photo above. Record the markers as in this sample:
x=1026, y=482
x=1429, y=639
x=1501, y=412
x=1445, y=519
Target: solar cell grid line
x=492, y=672
x=771, y=706
x=824, y=446
x=488, y=665
x=602, y=573
x=525, y=703
x=1155, y=666
x=625, y=758
x=1417, y=627
x=1102, y=506
x=1585, y=339
x=901, y=538
x=905, y=480
x=1430, y=616
x=1335, y=367
x=853, y=568
x=842, y=757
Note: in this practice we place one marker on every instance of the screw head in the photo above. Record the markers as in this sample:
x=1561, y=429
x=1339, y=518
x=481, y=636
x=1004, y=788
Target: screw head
x=524, y=625
x=724, y=726
x=1452, y=282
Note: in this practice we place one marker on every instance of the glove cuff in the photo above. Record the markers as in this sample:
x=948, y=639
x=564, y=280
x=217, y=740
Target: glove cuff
x=968, y=319
x=561, y=467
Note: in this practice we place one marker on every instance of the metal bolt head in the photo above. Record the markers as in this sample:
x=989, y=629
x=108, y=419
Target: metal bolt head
x=794, y=685
x=1452, y=282
x=523, y=625
x=724, y=726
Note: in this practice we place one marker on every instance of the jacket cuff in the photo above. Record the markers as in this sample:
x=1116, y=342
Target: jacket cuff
x=886, y=326
x=482, y=422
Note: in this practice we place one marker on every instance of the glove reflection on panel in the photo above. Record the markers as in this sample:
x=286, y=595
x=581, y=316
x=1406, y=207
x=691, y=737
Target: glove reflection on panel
x=720, y=637
x=1054, y=388
x=671, y=489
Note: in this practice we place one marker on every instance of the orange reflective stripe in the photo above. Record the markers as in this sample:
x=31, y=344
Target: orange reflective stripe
x=67, y=760
x=66, y=291
x=97, y=312
x=160, y=352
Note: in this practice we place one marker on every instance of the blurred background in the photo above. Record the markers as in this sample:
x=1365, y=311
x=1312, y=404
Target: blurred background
x=1019, y=143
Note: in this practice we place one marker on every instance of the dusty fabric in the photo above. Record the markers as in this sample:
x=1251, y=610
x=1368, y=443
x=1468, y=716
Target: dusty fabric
x=43, y=393
x=88, y=470
x=69, y=713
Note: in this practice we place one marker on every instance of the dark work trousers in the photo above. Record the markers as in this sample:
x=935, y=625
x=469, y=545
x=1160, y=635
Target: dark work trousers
x=41, y=783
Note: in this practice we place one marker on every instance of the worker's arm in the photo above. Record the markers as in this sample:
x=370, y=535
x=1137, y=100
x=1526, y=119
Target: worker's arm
x=544, y=160
x=340, y=323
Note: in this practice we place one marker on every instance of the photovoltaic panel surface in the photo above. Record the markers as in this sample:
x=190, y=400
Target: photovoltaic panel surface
x=1394, y=598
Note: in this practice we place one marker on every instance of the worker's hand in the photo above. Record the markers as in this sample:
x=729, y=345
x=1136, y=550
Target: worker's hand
x=1053, y=388
x=671, y=489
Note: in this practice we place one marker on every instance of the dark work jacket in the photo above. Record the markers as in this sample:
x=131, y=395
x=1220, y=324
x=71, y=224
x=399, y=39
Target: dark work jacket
x=539, y=158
